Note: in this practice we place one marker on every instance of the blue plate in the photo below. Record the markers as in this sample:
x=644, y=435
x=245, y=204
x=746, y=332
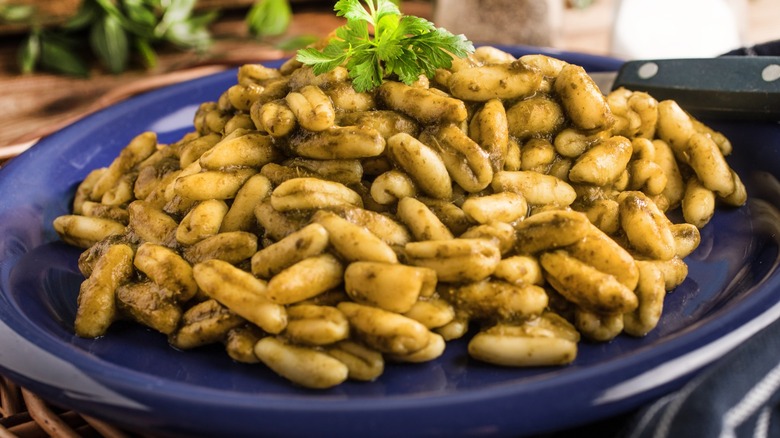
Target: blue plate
x=132, y=378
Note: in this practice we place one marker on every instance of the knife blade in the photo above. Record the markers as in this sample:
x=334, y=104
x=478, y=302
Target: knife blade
x=727, y=87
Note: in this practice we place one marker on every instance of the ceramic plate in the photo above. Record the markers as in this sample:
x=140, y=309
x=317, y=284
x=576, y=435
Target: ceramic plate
x=132, y=378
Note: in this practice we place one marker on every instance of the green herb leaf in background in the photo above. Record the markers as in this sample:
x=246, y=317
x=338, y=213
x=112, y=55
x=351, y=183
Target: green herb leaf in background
x=110, y=8
x=30, y=52
x=269, y=18
x=176, y=12
x=401, y=45
x=140, y=12
x=109, y=42
x=146, y=52
x=87, y=13
x=60, y=55
x=184, y=34
x=16, y=13
x=117, y=29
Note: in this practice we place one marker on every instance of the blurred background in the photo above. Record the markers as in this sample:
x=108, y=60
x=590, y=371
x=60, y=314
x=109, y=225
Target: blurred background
x=60, y=60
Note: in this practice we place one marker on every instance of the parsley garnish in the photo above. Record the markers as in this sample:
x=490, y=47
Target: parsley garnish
x=404, y=45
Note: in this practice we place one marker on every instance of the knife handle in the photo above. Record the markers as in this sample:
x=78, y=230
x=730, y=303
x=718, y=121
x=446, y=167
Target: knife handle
x=728, y=87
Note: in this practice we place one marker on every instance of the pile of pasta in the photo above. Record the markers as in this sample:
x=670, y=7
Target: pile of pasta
x=323, y=231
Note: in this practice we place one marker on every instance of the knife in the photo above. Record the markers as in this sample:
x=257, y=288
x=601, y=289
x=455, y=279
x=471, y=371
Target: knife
x=727, y=87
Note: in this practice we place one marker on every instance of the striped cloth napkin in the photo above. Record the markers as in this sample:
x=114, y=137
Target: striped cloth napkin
x=771, y=48
x=739, y=396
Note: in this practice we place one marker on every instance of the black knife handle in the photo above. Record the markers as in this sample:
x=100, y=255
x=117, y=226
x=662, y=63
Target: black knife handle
x=727, y=87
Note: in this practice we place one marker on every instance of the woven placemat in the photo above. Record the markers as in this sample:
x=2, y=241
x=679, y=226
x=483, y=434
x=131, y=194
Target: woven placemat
x=25, y=415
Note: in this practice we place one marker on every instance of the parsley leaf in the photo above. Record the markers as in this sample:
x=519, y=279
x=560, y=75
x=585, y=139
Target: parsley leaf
x=379, y=41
